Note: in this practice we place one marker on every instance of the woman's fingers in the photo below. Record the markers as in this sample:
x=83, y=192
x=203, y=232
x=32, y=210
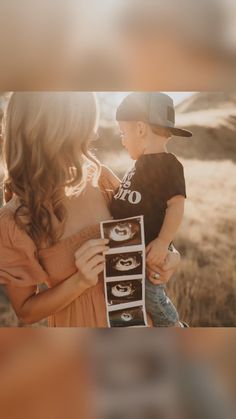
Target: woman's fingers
x=151, y=277
x=91, y=278
x=89, y=260
x=172, y=261
x=90, y=245
x=153, y=280
x=148, y=248
x=163, y=278
x=86, y=267
x=154, y=259
x=94, y=262
x=155, y=268
x=90, y=254
x=98, y=269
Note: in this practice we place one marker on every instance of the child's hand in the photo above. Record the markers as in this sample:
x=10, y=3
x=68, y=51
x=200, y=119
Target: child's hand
x=156, y=252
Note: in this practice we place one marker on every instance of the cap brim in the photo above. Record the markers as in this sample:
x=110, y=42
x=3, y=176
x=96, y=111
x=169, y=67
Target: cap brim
x=179, y=132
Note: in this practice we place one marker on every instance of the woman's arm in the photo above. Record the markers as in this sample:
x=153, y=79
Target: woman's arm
x=31, y=307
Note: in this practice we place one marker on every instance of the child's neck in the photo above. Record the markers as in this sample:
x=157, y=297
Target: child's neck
x=156, y=147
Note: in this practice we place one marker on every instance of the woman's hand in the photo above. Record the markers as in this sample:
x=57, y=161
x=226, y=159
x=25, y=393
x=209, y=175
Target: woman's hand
x=89, y=259
x=172, y=259
x=157, y=252
x=161, y=275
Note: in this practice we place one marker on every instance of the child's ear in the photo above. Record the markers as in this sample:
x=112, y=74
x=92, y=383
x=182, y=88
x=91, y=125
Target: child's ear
x=141, y=129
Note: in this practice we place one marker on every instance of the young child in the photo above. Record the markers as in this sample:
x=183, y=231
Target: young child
x=154, y=187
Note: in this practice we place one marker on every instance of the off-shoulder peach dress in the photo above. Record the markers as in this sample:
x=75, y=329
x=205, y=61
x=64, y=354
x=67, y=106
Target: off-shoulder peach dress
x=22, y=264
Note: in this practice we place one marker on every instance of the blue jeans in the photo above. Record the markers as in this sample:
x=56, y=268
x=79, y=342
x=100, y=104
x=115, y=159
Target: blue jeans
x=159, y=306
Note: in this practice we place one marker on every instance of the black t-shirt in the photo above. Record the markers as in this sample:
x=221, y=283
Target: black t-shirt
x=146, y=188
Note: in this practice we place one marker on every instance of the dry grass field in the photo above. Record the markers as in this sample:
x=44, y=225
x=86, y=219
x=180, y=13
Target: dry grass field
x=205, y=285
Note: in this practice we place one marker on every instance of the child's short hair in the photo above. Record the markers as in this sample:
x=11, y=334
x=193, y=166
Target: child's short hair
x=163, y=132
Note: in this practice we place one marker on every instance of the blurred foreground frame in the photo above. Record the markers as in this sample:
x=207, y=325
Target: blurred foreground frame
x=117, y=45
x=114, y=374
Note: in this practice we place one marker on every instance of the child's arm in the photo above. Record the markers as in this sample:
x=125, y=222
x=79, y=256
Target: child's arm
x=157, y=250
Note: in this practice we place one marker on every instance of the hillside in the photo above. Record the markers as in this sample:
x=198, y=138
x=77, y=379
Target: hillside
x=207, y=100
x=210, y=116
x=212, y=119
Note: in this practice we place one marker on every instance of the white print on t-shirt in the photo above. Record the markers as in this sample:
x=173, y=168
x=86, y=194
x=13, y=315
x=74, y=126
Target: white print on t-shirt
x=124, y=193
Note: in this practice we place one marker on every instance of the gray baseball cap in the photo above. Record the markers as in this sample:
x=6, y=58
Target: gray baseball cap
x=152, y=107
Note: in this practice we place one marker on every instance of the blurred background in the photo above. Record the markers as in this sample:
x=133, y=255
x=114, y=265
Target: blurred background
x=204, y=286
x=118, y=45
x=117, y=374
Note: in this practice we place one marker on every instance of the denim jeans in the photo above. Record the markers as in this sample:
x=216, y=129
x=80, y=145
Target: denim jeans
x=159, y=306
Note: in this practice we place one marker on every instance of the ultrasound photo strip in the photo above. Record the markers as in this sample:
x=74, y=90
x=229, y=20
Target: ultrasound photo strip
x=124, y=272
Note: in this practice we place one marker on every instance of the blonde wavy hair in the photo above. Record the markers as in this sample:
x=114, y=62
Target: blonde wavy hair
x=46, y=137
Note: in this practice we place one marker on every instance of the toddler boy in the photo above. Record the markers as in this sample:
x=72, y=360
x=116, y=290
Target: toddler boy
x=154, y=187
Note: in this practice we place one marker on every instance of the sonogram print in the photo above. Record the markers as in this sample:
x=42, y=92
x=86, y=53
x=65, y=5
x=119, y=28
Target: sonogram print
x=123, y=233
x=127, y=317
x=121, y=264
x=121, y=292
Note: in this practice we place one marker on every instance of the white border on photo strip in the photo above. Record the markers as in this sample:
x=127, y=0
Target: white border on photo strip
x=123, y=278
x=125, y=249
x=122, y=306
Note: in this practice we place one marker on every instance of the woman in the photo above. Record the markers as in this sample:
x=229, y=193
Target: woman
x=56, y=194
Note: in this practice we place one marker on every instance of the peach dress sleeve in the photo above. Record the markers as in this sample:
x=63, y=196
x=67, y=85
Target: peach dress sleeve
x=19, y=265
